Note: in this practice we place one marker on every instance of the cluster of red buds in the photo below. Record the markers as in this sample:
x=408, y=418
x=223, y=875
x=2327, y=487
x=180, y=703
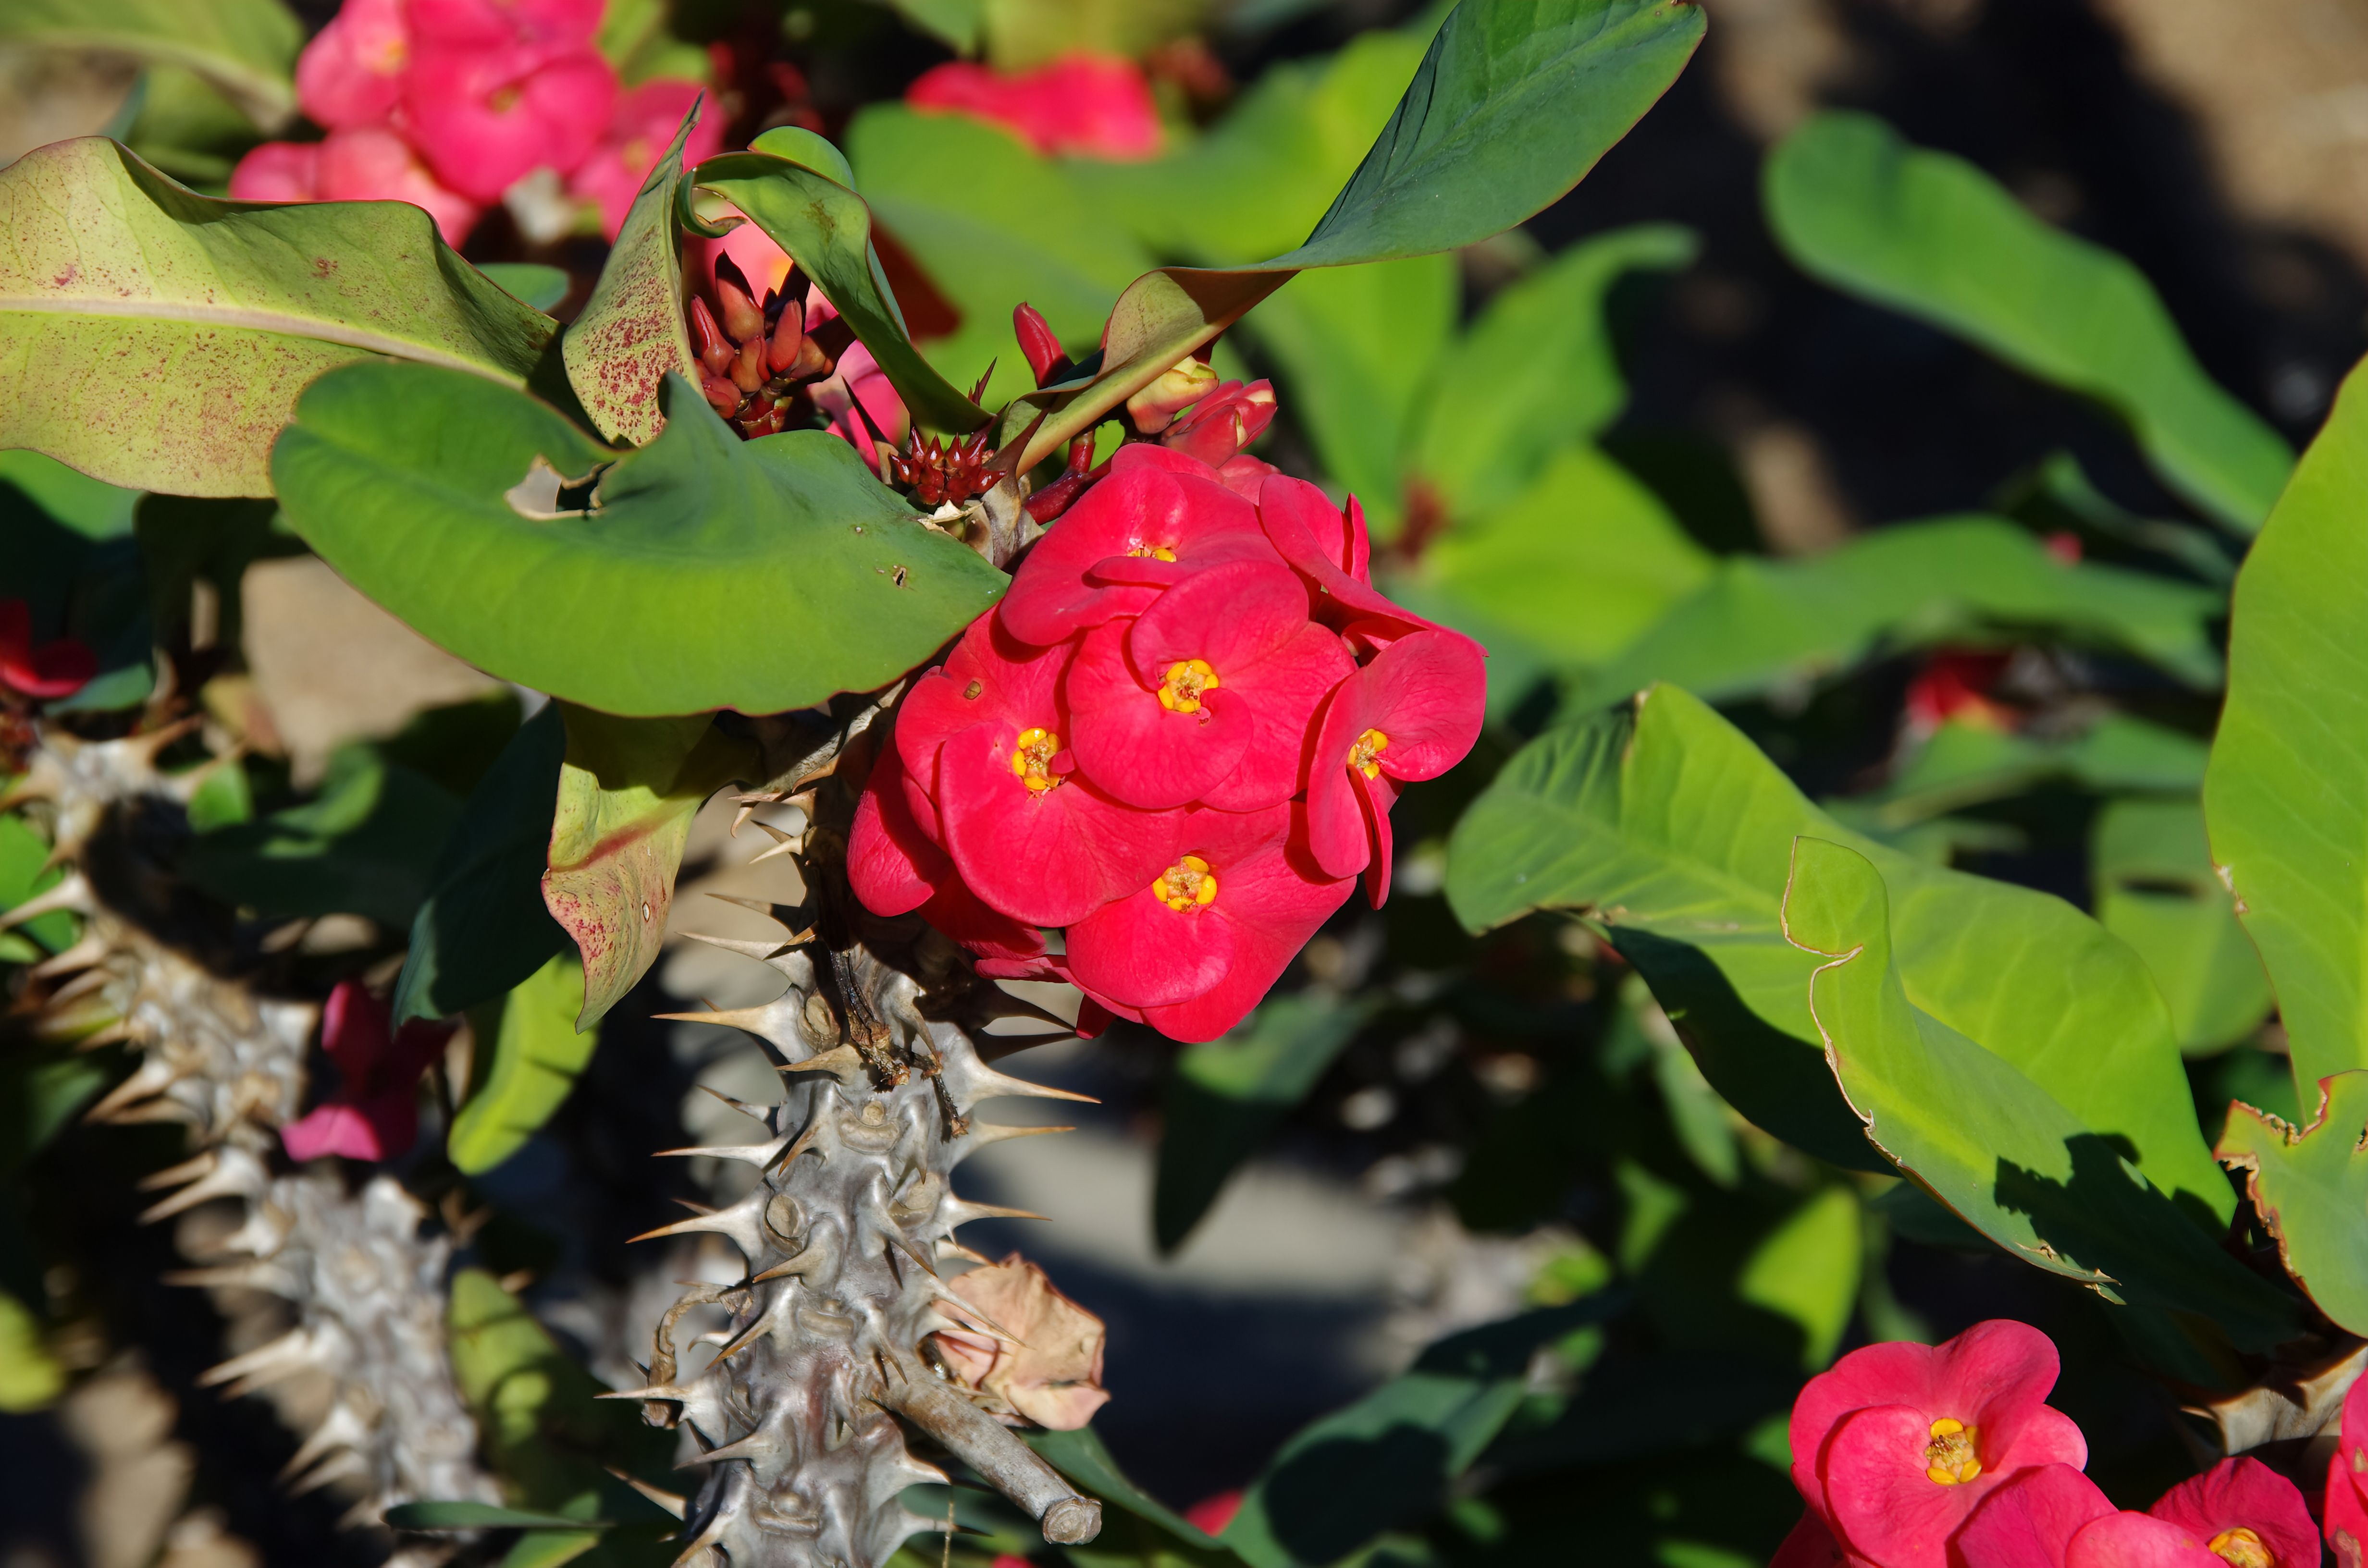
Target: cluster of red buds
x=760, y=360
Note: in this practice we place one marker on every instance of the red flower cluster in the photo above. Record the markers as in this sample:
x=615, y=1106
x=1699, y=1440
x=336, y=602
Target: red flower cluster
x=374, y=1115
x=1913, y=1456
x=1094, y=104
x=448, y=104
x=1179, y=736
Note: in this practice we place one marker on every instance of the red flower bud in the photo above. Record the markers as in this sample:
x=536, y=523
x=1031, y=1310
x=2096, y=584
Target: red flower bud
x=714, y=350
x=1186, y=383
x=1229, y=419
x=1036, y=340
x=742, y=318
x=722, y=393
x=789, y=339
x=748, y=365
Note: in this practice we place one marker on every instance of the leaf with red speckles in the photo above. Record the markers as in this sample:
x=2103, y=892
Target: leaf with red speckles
x=627, y=793
x=2310, y=1185
x=158, y=339
x=632, y=330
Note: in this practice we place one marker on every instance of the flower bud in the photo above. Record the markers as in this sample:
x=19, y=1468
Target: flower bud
x=722, y=393
x=742, y=318
x=1036, y=340
x=1153, y=407
x=747, y=371
x=1225, y=423
x=788, y=336
x=714, y=350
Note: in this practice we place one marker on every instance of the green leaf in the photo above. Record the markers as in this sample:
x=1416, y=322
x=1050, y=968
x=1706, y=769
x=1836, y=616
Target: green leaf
x=1510, y=109
x=25, y=870
x=2286, y=794
x=361, y=847
x=1387, y=1459
x=459, y=1514
x=1535, y=373
x=1014, y=227
x=39, y=1097
x=2155, y=889
x=247, y=48
x=1673, y=833
x=1932, y=236
x=536, y=1057
x=1808, y=1271
x=440, y=496
x=1225, y=1095
x=632, y=333
x=530, y=282
x=2310, y=1185
x=1995, y=1147
x=954, y=23
x=482, y=928
x=1760, y=623
x=627, y=792
x=158, y=339
x=1578, y=567
x=549, y=1548
x=826, y=229
x=30, y=1378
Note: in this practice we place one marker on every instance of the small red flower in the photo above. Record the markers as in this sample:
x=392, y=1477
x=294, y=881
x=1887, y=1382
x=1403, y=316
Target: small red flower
x=639, y=128
x=1208, y=695
x=988, y=737
x=2347, y=1483
x=1328, y=546
x=896, y=867
x=1411, y=714
x=1155, y=520
x=1199, y=945
x=2030, y=1521
x=1956, y=685
x=2245, y=1512
x=279, y=171
x=1097, y=105
x=52, y=671
x=352, y=73
x=1211, y=1514
x=1224, y=422
x=374, y=1115
x=1898, y=1444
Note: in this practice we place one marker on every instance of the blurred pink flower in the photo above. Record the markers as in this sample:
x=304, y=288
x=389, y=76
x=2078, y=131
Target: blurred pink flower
x=374, y=1115
x=279, y=171
x=487, y=24
x=365, y=162
x=51, y=671
x=1097, y=105
x=639, y=128
x=352, y=73
x=483, y=118
x=859, y=380
x=1212, y=1515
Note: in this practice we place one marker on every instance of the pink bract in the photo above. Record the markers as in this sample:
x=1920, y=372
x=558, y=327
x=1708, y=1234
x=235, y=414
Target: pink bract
x=1097, y=105
x=1156, y=519
x=1222, y=423
x=640, y=127
x=2140, y=1540
x=2347, y=1483
x=279, y=171
x=2030, y=1521
x=485, y=118
x=48, y=672
x=1150, y=735
x=352, y=73
x=896, y=867
x=2243, y=1494
x=374, y=1115
x=372, y=164
x=1868, y=1436
x=1411, y=714
x=1044, y=856
x=1207, y=965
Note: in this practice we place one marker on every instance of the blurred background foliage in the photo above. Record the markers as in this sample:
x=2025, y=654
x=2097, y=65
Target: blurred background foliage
x=1906, y=385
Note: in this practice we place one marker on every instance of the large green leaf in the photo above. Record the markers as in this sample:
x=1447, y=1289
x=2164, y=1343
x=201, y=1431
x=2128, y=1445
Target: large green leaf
x=2155, y=889
x=536, y=1057
x=246, y=48
x=632, y=333
x=1933, y=236
x=1761, y=623
x=2010, y=1159
x=1387, y=1459
x=2310, y=1185
x=1510, y=109
x=1535, y=373
x=706, y=572
x=482, y=928
x=627, y=792
x=2287, y=795
x=827, y=228
x=158, y=339
x=1225, y=1095
x=1673, y=833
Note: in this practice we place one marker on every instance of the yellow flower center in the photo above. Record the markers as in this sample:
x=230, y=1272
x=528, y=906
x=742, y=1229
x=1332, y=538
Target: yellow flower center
x=1365, y=755
x=1188, y=884
x=2241, y=1547
x=1033, y=762
x=1155, y=551
x=1187, y=680
x=1948, y=1458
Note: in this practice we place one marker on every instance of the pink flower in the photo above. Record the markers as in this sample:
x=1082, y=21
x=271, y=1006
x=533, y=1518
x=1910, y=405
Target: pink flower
x=374, y=1115
x=279, y=171
x=1411, y=714
x=491, y=24
x=352, y=73
x=1898, y=1444
x=2347, y=1483
x=1211, y=1514
x=2030, y=1521
x=1956, y=685
x=367, y=162
x=1222, y=423
x=896, y=867
x=52, y=671
x=1096, y=106
x=1196, y=948
x=1155, y=520
x=859, y=380
x=486, y=114
x=639, y=128
x=2245, y=1512
x=1208, y=695
x=986, y=737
